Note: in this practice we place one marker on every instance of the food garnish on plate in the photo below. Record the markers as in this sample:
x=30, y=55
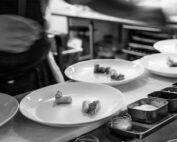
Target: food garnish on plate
x=171, y=62
x=60, y=99
x=91, y=108
x=116, y=76
x=108, y=71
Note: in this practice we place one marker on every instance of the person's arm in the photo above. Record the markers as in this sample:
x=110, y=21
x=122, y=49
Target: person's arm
x=152, y=15
x=44, y=4
x=58, y=76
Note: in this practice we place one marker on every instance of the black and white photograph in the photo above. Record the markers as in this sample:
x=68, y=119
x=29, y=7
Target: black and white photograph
x=88, y=70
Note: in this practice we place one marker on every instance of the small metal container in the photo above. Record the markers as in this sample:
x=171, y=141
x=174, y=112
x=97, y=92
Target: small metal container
x=170, y=89
x=148, y=116
x=174, y=84
x=171, y=97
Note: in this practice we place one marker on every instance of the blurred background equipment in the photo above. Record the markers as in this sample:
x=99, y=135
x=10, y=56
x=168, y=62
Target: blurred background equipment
x=66, y=50
x=106, y=47
x=138, y=41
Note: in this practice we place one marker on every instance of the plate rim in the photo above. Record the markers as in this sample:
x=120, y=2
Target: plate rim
x=155, y=45
x=113, y=83
x=14, y=112
x=144, y=59
x=76, y=124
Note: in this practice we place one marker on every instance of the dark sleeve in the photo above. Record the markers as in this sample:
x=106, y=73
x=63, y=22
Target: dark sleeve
x=9, y=7
x=33, y=9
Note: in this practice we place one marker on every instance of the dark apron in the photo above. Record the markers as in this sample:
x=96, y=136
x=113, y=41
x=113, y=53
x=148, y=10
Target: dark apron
x=25, y=71
x=29, y=70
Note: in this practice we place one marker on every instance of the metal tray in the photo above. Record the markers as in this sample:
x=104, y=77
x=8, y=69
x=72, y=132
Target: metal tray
x=140, y=130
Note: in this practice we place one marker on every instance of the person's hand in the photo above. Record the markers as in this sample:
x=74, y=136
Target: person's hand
x=17, y=33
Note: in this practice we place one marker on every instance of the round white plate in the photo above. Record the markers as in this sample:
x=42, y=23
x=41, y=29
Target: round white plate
x=39, y=105
x=8, y=108
x=83, y=71
x=157, y=64
x=166, y=46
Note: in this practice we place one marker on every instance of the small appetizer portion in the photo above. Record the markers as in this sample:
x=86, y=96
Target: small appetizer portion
x=99, y=69
x=60, y=99
x=122, y=121
x=114, y=75
x=58, y=95
x=171, y=62
x=108, y=71
x=64, y=100
x=91, y=108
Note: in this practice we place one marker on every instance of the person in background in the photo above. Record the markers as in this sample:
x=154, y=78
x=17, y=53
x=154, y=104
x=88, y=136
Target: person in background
x=151, y=12
x=24, y=46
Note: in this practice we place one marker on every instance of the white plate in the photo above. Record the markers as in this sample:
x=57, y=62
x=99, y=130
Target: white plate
x=157, y=64
x=166, y=46
x=8, y=108
x=39, y=105
x=83, y=71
